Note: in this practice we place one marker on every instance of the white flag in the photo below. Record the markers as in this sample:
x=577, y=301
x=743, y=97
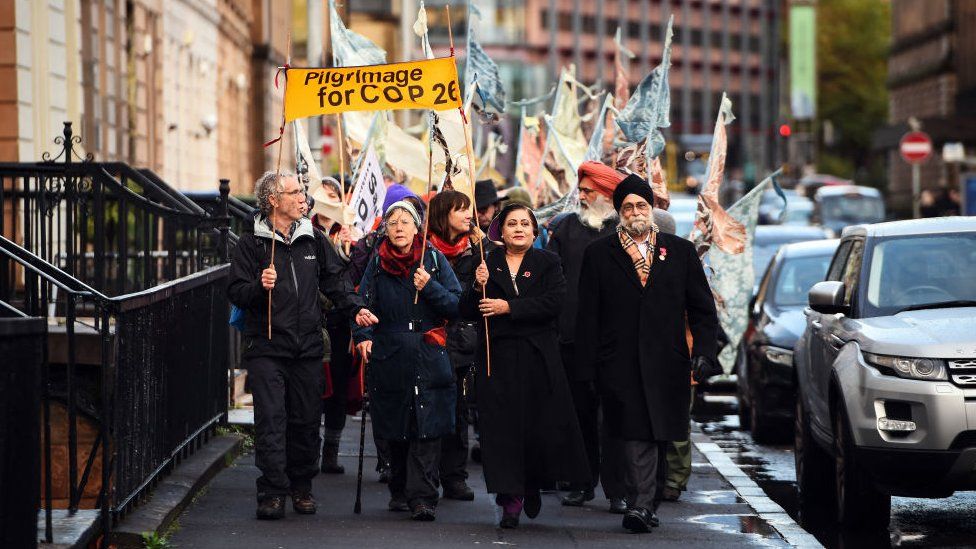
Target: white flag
x=367, y=199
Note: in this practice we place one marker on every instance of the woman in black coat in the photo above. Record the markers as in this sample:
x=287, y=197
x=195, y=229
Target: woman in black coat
x=408, y=374
x=530, y=436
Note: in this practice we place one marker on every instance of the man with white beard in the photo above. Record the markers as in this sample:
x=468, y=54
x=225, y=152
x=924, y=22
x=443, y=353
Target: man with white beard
x=636, y=289
x=571, y=235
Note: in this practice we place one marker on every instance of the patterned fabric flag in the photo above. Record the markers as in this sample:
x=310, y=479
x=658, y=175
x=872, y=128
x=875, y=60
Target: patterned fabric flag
x=713, y=225
x=595, y=150
x=350, y=49
x=621, y=89
x=649, y=109
x=485, y=78
x=662, y=198
x=733, y=278
x=565, y=131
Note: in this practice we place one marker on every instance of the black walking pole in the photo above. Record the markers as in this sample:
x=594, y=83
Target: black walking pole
x=358, y=508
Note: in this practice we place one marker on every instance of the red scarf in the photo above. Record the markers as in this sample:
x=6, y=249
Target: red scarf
x=397, y=263
x=451, y=251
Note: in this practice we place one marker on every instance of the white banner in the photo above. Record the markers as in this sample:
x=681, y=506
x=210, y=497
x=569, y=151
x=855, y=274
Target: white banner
x=367, y=199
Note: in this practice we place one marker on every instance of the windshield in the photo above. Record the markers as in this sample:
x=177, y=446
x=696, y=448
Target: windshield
x=796, y=276
x=853, y=208
x=764, y=250
x=919, y=270
x=798, y=214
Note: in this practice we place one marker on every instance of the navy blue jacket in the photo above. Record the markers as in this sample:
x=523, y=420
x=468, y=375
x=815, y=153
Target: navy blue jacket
x=410, y=383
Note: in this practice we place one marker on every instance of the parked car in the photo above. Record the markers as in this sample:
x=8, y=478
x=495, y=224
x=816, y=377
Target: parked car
x=886, y=370
x=765, y=367
x=768, y=240
x=771, y=205
x=808, y=185
x=837, y=207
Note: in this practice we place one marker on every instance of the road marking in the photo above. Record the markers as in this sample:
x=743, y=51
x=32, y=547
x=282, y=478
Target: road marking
x=752, y=494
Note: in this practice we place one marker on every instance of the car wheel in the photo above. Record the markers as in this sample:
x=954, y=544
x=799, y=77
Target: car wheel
x=813, y=467
x=859, y=503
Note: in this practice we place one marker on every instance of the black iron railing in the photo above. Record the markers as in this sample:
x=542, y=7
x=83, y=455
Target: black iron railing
x=129, y=277
x=120, y=229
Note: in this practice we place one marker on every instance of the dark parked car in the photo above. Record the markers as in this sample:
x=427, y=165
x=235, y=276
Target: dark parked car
x=769, y=239
x=765, y=367
x=841, y=206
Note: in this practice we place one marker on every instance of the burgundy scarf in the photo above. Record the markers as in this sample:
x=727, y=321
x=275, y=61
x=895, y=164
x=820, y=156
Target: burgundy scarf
x=397, y=263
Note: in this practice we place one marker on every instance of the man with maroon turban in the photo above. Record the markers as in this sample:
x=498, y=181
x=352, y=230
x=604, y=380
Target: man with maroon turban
x=570, y=236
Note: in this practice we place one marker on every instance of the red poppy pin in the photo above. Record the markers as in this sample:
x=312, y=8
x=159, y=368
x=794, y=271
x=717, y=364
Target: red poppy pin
x=527, y=274
x=663, y=254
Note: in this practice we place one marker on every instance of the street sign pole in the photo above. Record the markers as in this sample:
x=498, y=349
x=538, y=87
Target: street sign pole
x=916, y=192
x=915, y=147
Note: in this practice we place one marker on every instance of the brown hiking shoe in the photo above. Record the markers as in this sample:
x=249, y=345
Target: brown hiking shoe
x=303, y=503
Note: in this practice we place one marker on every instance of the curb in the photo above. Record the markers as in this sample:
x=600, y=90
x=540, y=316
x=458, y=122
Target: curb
x=176, y=490
x=754, y=496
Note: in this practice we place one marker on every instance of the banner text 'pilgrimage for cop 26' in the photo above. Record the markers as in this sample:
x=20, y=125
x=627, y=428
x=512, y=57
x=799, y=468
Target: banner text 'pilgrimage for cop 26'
x=430, y=84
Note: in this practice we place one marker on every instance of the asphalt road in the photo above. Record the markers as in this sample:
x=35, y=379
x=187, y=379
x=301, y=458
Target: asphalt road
x=915, y=522
x=710, y=515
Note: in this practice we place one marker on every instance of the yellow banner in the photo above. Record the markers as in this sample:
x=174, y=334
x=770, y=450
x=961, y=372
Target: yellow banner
x=430, y=84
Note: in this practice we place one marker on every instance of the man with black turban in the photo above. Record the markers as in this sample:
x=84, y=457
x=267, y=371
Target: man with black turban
x=636, y=288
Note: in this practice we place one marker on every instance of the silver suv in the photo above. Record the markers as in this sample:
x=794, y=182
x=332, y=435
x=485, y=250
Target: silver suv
x=886, y=371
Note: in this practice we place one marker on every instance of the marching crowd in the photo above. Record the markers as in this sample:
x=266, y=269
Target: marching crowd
x=571, y=347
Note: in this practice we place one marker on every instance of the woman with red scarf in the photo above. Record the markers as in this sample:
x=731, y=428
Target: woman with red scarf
x=450, y=232
x=408, y=371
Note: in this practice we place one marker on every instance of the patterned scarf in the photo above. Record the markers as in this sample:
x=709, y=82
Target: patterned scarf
x=641, y=265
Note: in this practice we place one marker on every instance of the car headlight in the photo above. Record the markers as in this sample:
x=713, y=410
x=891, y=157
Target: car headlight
x=777, y=355
x=908, y=368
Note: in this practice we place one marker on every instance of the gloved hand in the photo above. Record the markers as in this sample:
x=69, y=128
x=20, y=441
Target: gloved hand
x=703, y=368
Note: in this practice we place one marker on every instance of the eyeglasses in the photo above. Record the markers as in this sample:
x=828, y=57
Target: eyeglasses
x=642, y=207
x=396, y=223
x=586, y=190
x=292, y=193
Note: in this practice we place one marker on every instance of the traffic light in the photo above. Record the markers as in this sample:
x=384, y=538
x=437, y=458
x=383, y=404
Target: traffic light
x=785, y=130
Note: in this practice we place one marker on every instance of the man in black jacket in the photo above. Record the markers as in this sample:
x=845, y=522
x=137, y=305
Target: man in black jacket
x=285, y=368
x=571, y=234
x=638, y=289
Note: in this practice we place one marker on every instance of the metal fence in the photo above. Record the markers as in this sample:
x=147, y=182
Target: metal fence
x=115, y=227
x=129, y=277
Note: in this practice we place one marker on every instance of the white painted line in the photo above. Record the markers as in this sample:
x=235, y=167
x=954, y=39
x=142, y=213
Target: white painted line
x=749, y=491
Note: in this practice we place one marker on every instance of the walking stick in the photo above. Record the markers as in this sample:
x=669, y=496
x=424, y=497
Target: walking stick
x=358, y=507
x=281, y=143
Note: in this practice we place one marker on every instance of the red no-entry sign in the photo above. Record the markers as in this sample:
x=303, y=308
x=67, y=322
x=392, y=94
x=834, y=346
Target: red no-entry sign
x=915, y=147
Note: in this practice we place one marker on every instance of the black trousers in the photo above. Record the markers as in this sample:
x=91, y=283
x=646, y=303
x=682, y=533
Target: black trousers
x=287, y=407
x=454, y=447
x=341, y=368
x=414, y=470
x=645, y=471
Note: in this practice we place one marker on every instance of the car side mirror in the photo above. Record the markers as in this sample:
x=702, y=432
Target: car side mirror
x=828, y=297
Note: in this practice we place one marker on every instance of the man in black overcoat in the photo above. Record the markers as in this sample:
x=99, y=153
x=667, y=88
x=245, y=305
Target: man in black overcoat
x=637, y=290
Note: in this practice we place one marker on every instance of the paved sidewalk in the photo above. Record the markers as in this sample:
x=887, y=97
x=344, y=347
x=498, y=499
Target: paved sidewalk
x=710, y=514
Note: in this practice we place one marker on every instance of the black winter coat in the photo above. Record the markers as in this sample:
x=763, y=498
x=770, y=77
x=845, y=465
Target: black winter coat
x=632, y=338
x=568, y=240
x=529, y=432
x=410, y=382
x=305, y=267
